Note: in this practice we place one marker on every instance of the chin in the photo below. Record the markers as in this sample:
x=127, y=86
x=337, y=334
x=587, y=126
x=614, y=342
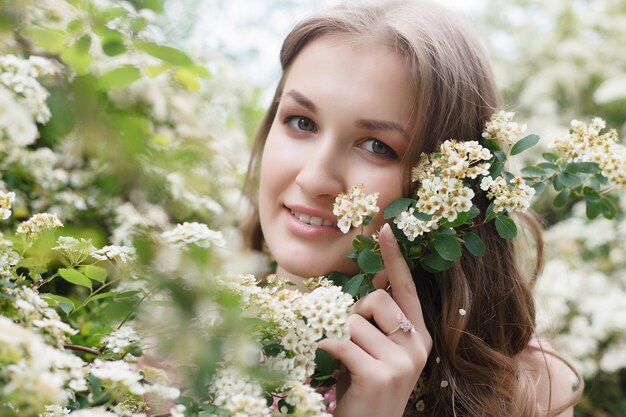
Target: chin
x=311, y=269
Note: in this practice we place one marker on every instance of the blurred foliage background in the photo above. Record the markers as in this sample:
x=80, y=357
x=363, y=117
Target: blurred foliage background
x=152, y=109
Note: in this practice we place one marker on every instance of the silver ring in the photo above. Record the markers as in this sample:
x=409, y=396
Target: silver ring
x=403, y=324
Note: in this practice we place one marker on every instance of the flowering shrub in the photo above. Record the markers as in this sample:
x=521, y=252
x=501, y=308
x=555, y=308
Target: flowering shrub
x=434, y=226
x=109, y=209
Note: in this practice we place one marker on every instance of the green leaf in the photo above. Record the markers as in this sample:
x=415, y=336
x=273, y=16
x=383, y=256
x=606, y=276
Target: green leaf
x=539, y=187
x=435, y=263
x=492, y=145
x=524, y=144
x=396, y=207
x=490, y=213
x=165, y=53
x=592, y=209
x=548, y=167
x=64, y=303
x=586, y=167
x=352, y=286
x=325, y=364
x=77, y=56
x=59, y=298
x=591, y=195
x=459, y=221
x=75, y=277
x=102, y=295
x=505, y=226
x=569, y=180
x=447, y=247
x=550, y=157
x=187, y=79
x=51, y=40
x=533, y=171
x=561, y=198
x=608, y=208
x=96, y=273
x=474, y=211
x=496, y=169
x=113, y=47
x=474, y=244
x=119, y=77
x=370, y=262
x=500, y=156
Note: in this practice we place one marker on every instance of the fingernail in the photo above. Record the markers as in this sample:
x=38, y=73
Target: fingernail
x=388, y=234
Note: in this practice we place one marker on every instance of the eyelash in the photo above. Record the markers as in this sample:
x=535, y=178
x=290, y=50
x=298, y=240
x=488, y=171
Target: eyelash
x=391, y=154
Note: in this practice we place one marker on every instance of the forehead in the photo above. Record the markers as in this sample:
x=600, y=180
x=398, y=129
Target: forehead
x=364, y=74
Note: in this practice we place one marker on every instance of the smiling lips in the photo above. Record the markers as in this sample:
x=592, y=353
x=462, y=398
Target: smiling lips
x=312, y=220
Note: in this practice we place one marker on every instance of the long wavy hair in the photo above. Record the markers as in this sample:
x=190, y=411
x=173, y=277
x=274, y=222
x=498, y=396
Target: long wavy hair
x=455, y=94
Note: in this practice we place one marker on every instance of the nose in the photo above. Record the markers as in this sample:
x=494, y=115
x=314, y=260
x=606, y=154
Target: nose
x=322, y=173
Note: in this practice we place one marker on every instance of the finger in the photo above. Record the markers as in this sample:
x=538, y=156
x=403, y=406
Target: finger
x=381, y=280
x=400, y=278
x=348, y=352
x=369, y=338
x=380, y=307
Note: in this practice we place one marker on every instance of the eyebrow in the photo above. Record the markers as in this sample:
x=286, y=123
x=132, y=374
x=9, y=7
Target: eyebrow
x=302, y=100
x=368, y=124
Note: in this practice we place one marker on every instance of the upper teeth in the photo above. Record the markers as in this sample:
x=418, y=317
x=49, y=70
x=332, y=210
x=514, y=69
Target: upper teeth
x=315, y=221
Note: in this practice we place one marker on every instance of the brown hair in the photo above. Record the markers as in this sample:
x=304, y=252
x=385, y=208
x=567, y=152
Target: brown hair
x=455, y=94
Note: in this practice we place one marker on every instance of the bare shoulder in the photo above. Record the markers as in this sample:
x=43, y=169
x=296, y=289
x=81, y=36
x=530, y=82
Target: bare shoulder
x=553, y=375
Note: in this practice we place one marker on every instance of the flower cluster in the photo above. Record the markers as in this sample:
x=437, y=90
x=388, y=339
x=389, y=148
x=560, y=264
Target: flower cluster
x=234, y=391
x=443, y=192
x=22, y=97
x=121, y=254
x=511, y=195
x=586, y=144
x=298, y=321
x=503, y=129
x=354, y=207
x=121, y=339
x=37, y=373
x=6, y=199
x=193, y=233
x=32, y=228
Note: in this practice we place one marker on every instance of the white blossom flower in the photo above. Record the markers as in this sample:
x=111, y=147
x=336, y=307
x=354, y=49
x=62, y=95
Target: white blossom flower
x=55, y=410
x=412, y=226
x=353, y=207
x=122, y=254
x=35, y=373
x=193, y=233
x=235, y=392
x=121, y=339
x=503, y=129
x=513, y=195
x=33, y=227
x=118, y=374
x=586, y=144
x=76, y=250
x=178, y=410
x=307, y=401
x=93, y=412
x=6, y=199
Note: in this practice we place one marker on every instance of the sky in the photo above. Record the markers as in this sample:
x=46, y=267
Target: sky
x=252, y=31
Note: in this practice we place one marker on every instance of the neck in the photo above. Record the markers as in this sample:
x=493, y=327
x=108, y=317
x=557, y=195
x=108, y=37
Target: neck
x=298, y=281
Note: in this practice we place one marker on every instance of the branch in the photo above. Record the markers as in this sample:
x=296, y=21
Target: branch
x=82, y=349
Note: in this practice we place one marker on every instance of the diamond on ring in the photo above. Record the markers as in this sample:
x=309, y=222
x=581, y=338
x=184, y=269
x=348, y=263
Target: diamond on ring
x=405, y=325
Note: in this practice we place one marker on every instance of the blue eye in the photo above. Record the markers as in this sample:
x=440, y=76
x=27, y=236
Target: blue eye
x=300, y=123
x=378, y=148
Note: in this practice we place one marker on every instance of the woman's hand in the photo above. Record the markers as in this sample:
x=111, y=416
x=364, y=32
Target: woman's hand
x=384, y=362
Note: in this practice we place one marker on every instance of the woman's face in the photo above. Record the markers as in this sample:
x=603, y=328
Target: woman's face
x=343, y=119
